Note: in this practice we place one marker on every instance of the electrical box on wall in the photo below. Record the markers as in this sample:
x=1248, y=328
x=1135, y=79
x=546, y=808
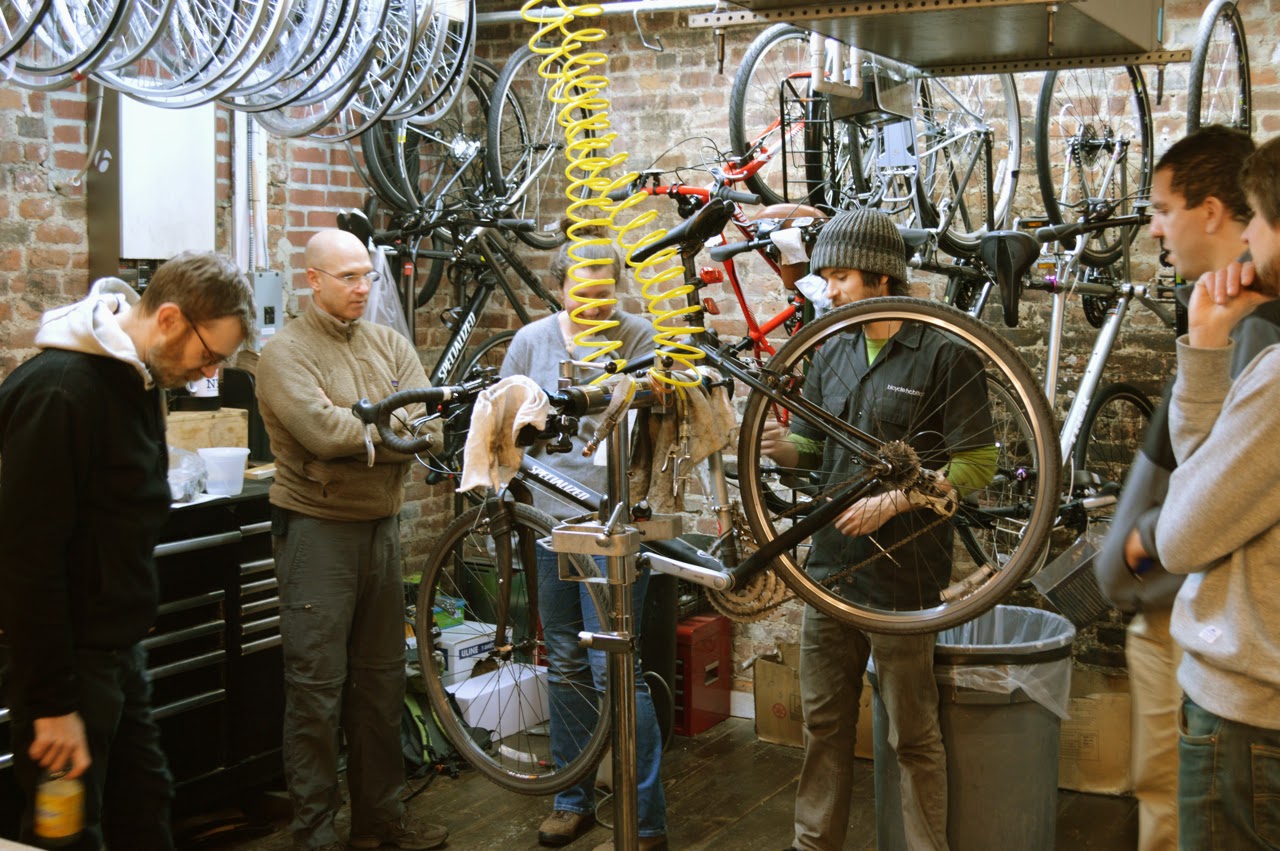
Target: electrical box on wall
x=152, y=193
x=268, y=295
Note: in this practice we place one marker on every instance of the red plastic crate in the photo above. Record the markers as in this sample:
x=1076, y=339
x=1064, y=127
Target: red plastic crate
x=704, y=673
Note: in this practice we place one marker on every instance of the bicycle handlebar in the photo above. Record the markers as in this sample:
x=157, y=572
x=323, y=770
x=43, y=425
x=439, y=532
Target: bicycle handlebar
x=378, y=414
x=721, y=253
x=1058, y=233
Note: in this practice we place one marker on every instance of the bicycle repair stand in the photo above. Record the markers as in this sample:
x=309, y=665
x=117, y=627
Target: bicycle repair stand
x=619, y=542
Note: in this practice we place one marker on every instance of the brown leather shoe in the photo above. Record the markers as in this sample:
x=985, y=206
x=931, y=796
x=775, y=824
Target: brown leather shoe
x=400, y=836
x=647, y=843
x=562, y=827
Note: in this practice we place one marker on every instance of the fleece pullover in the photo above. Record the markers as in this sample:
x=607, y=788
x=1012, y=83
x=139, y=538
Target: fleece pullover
x=1221, y=526
x=309, y=376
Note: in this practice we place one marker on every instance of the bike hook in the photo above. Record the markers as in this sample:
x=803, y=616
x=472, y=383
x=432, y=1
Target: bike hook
x=656, y=47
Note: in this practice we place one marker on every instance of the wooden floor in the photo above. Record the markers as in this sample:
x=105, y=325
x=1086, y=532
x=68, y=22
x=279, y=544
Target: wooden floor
x=725, y=790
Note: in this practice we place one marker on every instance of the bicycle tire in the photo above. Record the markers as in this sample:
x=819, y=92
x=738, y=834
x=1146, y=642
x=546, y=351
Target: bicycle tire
x=18, y=24
x=1112, y=432
x=460, y=567
x=767, y=99
x=525, y=144
x=950, y=112
x=1219, y=86
x=490, y=353
x=1027, y=513
x=1076, y=115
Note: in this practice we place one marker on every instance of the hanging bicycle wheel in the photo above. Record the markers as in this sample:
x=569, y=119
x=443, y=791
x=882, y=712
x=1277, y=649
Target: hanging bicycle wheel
x=525, y=150
x=1093, y=148
x=940, y=392
x=965, y=127
x=808, y=157
x=1219, y=89
x=1112, y=432
x=17, y=20
x=508, y=695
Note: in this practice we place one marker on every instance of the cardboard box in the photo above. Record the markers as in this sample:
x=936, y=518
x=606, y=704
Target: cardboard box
x=779, y=714
x=462, y=646
x=1094, y=748
x=192, y=430
x=506, y=701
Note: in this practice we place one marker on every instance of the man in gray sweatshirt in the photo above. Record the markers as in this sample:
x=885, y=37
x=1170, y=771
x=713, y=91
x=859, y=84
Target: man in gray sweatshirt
x=1198, y=212
x=1221, y=527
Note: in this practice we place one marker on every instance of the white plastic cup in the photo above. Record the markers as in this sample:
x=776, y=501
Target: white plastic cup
x=226, y=469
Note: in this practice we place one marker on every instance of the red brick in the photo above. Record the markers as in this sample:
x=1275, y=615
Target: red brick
x=10, y=99
x=70, y=160
x=307, y=198
x=308, y=154
x=5, y=312
x=65, y=108
x=11, y=259
x=37, y=103
x=344, y=198
x=68, y=134
x=10, y=152
x=298, y=175
x=35, y=153
x=297, y=218
x=36, y=208
x=321, y=219
x=30, y=181
x=54, y=232
x=48, y=258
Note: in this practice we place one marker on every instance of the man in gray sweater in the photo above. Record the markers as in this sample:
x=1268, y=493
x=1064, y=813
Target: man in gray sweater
x=1198, y=212
x=1221, y=526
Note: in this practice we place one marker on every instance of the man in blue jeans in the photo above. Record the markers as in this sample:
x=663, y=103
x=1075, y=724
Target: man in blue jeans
x=1221, y=526
x=904, y=557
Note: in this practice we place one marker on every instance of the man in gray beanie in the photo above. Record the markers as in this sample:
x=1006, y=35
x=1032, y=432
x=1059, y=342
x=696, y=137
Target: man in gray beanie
x=860, y=255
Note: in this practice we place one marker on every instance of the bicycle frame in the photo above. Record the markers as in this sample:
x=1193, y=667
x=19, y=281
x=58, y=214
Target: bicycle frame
x=490, y=276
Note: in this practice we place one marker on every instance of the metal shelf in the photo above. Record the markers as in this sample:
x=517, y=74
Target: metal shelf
x=941, y=37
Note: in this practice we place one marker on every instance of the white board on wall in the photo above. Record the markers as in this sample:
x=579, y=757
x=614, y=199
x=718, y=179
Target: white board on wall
x=167, y=180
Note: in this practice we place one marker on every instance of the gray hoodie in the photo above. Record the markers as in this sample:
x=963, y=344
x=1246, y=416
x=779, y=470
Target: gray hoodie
x=92, y=325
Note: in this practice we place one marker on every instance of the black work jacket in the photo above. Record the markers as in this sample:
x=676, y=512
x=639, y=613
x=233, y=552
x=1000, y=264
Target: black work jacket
x=926, y=390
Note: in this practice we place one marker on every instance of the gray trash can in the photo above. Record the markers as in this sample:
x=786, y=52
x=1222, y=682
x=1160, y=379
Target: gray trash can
x=1003, y=683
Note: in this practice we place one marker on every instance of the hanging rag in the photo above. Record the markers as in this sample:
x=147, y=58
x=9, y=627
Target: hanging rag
x=491, y=456
x=663, y=453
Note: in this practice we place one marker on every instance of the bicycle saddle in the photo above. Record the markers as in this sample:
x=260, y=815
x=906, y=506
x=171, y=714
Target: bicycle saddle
x=693, y=231
x=914, y=239
x=1008, y=254
x=357, y=223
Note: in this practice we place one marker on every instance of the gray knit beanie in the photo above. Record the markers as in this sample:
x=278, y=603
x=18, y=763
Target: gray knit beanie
x=863, y=239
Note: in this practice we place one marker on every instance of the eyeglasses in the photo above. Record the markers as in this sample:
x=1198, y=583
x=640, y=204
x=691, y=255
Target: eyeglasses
x=372, y=276
x=211, y=358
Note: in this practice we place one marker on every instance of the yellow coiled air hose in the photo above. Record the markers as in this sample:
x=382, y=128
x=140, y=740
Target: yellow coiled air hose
x=579, y=90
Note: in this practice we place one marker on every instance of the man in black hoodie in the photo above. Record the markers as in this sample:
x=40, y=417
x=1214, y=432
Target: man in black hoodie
x=1198, y=212
x=83, y=496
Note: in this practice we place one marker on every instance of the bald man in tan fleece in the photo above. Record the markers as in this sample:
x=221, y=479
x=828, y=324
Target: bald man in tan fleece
x=336, y=527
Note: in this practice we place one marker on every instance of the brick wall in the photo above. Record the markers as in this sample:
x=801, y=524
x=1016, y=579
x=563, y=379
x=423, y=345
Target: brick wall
x=658, y=100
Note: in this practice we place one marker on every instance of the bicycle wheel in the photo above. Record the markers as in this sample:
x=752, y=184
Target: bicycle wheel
x=488, y=354
x=1093, y=146
x=927, y=396
x=506, y=693
x=955, y=117
x=525, y=150
x=1219, y=89
x=809, y=157
x=1112, y=433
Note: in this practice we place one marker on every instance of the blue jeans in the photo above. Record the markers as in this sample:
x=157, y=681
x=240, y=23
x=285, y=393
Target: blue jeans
x=576, y=682
x=1228, y=782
